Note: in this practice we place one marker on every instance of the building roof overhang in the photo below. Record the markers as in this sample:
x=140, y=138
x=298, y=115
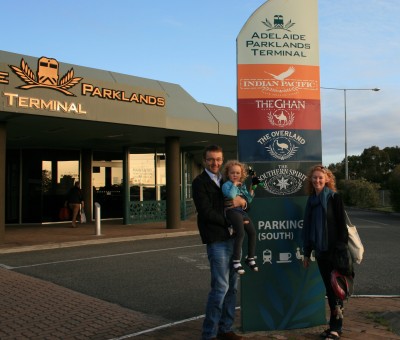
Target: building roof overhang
x=104, y=111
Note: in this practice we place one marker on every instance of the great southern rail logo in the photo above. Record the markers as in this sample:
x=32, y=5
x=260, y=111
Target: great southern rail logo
x=46, y=76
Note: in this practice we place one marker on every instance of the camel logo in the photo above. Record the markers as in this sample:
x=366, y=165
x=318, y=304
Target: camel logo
x=47, y=76
x=281, y=118
x=278, y=23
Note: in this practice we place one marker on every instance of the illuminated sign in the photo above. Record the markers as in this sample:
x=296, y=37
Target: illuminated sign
x=48, y=77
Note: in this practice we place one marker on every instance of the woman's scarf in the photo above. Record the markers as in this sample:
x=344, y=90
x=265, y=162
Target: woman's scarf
x=317, y=226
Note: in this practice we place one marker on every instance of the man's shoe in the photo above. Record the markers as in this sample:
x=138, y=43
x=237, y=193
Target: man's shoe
x=229, y=336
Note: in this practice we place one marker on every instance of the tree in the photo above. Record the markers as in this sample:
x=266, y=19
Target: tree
x=394, y=156
x=46, y=181
x=359, y=193
x=394, y=185
x=373, y=164
x=338, y=170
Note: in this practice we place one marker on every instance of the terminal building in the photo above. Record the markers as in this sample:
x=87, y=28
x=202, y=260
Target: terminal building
x=134, y=144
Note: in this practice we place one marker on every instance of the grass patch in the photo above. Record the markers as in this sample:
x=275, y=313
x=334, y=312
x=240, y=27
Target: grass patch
x=380, y=319
x=384, y=209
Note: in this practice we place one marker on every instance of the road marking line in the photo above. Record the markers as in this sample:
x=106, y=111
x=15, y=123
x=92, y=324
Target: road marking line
x=127, y=336
x=171, y=324
x=361, y=219
x=158, y=327
x=101, y=257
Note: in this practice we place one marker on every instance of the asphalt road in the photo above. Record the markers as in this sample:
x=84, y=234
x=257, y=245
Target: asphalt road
x=170, y=277
x=379, y=273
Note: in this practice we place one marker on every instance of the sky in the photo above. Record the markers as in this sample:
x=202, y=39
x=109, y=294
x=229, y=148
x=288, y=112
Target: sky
x=193, y=44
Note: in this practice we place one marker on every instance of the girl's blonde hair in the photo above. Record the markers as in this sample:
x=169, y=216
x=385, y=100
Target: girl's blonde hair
x=331, y=184
x=232, y=163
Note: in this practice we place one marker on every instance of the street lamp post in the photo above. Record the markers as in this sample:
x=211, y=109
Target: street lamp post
x=346, y=161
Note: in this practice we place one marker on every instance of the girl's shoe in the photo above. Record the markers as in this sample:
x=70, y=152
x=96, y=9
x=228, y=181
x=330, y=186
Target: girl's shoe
x=326, y=333
x=332, y=336
x=252, y=264
x=238, y=268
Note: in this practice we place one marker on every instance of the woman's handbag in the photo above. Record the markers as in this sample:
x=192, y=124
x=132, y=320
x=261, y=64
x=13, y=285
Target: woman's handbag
x=64, y=214
x=355, y=245
x=83, y=216
x=342, y=260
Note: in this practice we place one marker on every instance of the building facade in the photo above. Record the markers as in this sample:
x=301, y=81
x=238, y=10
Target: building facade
x=134, y=144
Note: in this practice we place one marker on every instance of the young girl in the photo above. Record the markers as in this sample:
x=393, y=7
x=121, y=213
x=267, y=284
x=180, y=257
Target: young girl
x=235, y=174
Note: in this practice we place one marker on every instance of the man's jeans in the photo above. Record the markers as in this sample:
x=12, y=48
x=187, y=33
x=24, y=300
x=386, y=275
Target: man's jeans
x=220, y=310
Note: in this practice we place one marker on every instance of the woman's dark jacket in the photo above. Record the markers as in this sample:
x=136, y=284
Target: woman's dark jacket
x=209, y=202
x=75, y=196
x=335, y=226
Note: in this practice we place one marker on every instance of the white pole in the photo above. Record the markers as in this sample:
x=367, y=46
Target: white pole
x=346, y=160
x=98, y=218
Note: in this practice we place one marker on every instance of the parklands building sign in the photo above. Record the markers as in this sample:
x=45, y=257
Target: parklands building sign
x=47, y=76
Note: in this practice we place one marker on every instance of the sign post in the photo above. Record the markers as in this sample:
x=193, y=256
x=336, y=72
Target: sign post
x=279, y=135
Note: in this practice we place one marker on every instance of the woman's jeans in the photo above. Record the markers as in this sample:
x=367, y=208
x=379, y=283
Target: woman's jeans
x=325, y=267
x=220, y=310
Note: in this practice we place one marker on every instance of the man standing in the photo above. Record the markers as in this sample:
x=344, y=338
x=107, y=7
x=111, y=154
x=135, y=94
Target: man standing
x=214, y=232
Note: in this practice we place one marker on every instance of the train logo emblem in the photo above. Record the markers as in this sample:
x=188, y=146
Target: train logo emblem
x=47, y=76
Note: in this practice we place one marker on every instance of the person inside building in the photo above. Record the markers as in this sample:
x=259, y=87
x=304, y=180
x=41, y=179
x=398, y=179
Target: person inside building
x=75, y=202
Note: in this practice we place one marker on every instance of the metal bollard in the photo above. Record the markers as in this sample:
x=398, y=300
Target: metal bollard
x=97, y=215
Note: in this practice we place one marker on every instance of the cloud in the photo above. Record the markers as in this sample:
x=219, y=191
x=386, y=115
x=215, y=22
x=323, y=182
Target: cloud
x=373, y=119
x=359, y=46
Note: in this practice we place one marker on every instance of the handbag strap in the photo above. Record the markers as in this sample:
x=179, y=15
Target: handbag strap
x=348, y=222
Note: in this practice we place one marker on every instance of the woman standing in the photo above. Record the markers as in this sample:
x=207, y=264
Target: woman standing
x=323, y=230
x=75, y=202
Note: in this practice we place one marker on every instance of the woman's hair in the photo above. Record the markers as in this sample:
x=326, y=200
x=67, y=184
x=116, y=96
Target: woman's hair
x=331, y=184
x=230, y=164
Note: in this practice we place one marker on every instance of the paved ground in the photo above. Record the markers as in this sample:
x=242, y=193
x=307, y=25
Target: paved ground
x=36, y=309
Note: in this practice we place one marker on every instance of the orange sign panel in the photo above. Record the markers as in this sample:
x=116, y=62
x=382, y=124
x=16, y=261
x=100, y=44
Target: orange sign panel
x=278, y=81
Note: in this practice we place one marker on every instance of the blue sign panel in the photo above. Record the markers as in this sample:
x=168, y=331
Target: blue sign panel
x=279, y=145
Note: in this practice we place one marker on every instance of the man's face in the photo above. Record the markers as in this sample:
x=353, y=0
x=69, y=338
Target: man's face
x=213, y=161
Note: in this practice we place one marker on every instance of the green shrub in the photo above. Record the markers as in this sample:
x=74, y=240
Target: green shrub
x=394, y=187
x=359, y=193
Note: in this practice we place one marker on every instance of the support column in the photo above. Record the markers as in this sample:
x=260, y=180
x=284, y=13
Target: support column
x=172, y=149
x=126, y=188
x=86, y=183
x=3, y=142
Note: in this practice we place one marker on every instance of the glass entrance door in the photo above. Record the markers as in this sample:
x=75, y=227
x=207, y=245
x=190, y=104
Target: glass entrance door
x=107, y=187
x=46, y=177
x=58, y=177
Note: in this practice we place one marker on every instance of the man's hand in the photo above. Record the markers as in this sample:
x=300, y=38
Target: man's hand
x=239, y=201
x=255, y=181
